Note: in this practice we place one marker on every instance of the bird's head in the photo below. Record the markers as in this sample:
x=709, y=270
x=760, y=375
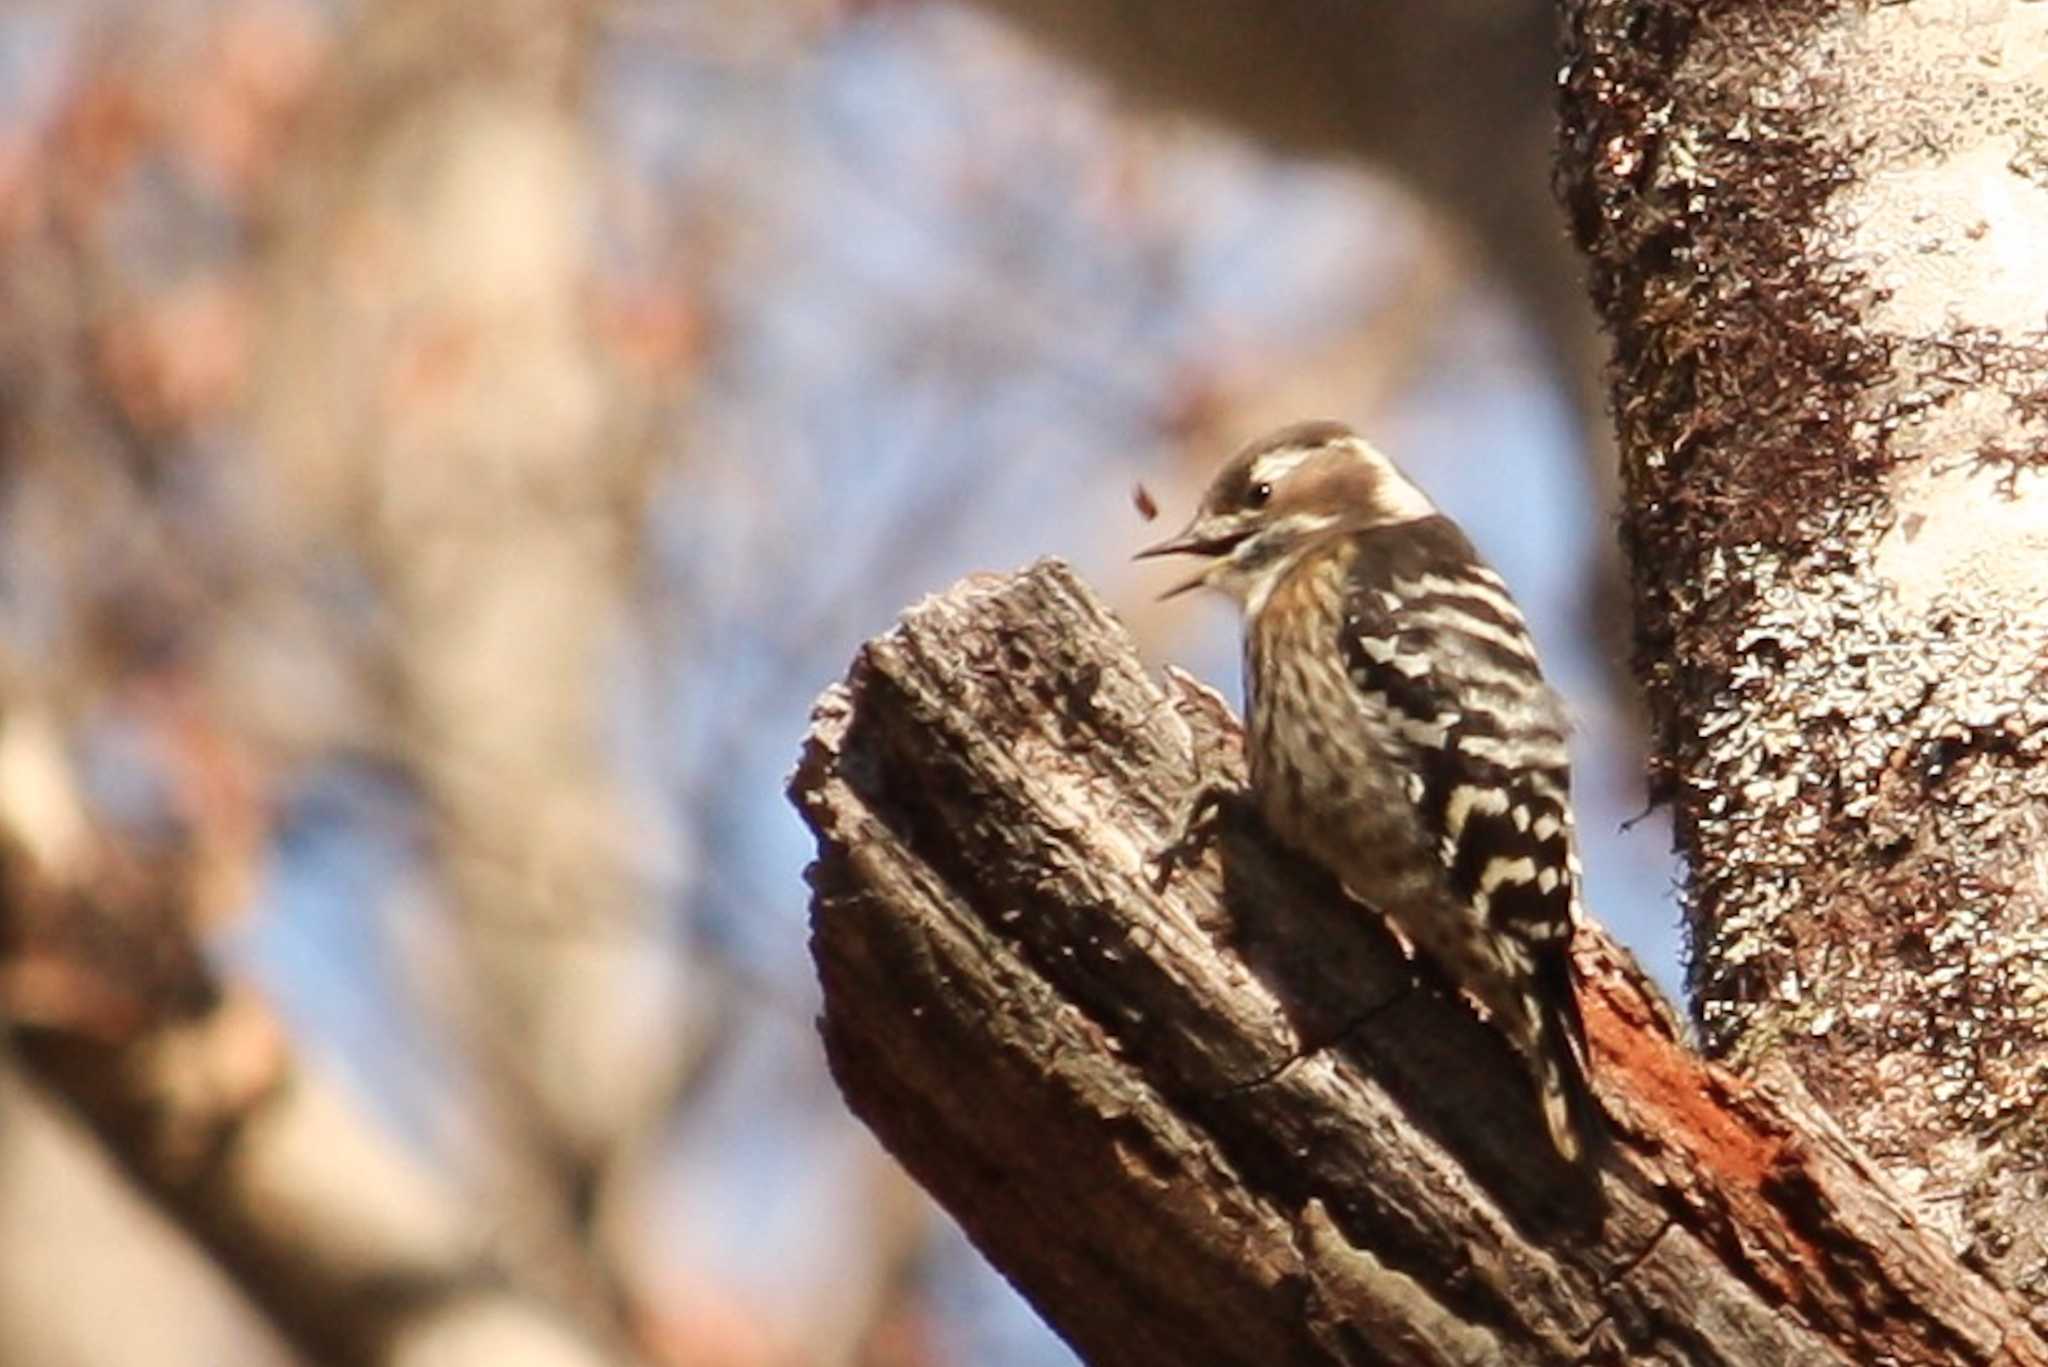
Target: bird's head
x=1283, y=494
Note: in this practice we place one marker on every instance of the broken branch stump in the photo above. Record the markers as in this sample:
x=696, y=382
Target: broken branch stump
x=1225, y=1120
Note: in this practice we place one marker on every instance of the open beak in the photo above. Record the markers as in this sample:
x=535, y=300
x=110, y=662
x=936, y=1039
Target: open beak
x=1197, y=538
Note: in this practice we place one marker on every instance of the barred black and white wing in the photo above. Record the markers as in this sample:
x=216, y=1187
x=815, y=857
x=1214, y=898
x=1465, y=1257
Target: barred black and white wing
x=1441, y=655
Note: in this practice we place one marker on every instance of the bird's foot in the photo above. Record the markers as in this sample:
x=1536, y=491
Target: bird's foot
x=1213, y=808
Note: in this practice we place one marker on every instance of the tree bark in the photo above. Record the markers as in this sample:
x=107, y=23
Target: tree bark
x=1215, y=1115
x=1814, y=232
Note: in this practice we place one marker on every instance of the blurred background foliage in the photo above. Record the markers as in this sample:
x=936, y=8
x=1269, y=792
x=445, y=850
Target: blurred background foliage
x=446, y=448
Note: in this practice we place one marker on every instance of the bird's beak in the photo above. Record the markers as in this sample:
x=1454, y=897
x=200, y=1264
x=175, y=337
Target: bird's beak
x=1203, y=536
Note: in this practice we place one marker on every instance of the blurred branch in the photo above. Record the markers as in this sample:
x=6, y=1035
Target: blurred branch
x=1454, y=99
x=1224, y=1123
x=189, y=1081
x=452, y=419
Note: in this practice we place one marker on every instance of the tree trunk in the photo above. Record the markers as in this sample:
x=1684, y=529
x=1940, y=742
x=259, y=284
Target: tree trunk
x=452, y=422
x=1212, y=1115
x=1815, y=233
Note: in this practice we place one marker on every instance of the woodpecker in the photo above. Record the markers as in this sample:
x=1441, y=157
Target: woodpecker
x=1400, y=730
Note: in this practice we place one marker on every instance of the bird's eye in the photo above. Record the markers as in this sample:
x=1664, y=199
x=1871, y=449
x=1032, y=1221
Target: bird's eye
x=1258, y=494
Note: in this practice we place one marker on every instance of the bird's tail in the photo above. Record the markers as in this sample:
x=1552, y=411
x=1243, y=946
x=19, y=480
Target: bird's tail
x=1557, y=1057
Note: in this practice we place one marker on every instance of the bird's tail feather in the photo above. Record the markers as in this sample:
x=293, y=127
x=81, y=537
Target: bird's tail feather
x=1558, y=1064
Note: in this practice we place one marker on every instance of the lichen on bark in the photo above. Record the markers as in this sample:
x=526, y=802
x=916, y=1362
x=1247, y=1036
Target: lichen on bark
x=1809, y=230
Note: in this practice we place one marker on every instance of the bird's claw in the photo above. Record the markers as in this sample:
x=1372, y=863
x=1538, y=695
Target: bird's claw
x=1199, y=830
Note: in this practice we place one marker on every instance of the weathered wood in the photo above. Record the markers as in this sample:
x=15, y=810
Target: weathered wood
x=1223, y=1121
